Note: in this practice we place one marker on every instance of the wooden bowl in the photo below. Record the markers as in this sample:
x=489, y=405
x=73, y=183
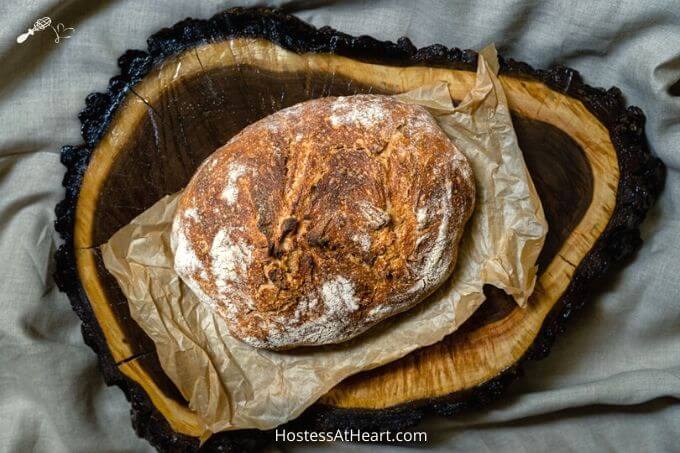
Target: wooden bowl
x=200, y=82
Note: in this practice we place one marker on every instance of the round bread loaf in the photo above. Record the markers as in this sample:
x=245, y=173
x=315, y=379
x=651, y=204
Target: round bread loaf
x=315, y=223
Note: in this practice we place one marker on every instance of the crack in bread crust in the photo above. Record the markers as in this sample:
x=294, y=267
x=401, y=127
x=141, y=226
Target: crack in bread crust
x=315, y=223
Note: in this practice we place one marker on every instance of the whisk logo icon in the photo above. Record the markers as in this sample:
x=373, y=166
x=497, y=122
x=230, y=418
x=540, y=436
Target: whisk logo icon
x=41, y=24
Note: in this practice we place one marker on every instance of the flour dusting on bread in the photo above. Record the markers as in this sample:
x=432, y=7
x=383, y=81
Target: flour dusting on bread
x=339, y=301
x=363, y=240
x=338, y=296
x=319, y=221
x=345, y=112
x=185, y=256
x=229, y=258
x=436, y=261
x=230, y=192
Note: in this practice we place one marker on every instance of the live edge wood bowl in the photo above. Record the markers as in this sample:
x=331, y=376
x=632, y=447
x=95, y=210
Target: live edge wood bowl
x=201, y=81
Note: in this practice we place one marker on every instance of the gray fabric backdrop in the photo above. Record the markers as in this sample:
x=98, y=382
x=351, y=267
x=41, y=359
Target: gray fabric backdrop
x=612, y=381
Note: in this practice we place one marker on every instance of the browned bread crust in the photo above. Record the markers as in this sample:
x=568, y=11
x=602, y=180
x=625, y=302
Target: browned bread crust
x=315, y=223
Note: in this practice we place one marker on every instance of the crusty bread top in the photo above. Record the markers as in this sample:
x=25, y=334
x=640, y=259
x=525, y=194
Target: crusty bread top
x=316, y=222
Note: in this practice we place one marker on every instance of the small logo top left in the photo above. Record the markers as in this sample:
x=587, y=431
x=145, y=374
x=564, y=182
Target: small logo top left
x=60, y=31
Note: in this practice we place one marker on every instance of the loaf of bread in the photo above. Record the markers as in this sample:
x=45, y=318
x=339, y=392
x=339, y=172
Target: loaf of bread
x=317, y=222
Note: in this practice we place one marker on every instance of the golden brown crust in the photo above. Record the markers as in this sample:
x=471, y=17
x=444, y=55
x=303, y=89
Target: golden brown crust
x=316, y=222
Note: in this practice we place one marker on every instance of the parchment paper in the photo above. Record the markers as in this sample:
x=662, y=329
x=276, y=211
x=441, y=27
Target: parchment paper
x=233, y=386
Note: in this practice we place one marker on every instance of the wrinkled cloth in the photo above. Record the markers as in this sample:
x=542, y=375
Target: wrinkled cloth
x=612, y=381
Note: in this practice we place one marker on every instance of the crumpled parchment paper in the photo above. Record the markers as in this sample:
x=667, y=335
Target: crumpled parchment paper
x=231, y=385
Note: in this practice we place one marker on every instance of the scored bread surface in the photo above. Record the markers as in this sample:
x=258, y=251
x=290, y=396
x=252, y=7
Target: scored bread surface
x=318, y=221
